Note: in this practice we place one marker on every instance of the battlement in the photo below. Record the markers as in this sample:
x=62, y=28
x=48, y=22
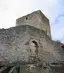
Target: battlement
x=36, y=19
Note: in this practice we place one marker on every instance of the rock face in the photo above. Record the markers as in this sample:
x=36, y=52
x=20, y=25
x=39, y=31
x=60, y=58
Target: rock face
x=36, y=19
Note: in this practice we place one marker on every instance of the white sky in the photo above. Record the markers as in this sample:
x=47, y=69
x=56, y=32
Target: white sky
x=10, y=10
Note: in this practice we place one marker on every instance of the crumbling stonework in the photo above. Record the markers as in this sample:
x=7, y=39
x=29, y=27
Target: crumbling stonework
x=36, y=19
x=30, y=46
x=24, y=42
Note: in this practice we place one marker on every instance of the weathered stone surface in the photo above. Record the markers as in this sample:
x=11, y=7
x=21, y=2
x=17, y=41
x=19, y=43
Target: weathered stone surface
x=29, y=48
x=36, y=19
x=27, y=44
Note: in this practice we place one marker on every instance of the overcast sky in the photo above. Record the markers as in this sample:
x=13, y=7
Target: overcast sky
x=10, y=10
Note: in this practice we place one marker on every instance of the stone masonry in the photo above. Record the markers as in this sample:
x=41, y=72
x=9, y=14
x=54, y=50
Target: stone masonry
x=30, y=44
x=36, y=19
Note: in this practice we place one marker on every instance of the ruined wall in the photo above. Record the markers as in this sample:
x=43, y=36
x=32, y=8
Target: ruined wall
x=36, y=19
x=30, y=47
x=27, y=44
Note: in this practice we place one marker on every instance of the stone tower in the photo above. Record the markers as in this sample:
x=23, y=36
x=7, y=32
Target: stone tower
x=28, y=48
x=36, y=19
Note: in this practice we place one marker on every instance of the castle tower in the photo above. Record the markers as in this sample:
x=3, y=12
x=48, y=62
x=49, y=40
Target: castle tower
x=36, y=19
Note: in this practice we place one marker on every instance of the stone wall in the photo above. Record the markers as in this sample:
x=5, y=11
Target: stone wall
x=27, y=44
